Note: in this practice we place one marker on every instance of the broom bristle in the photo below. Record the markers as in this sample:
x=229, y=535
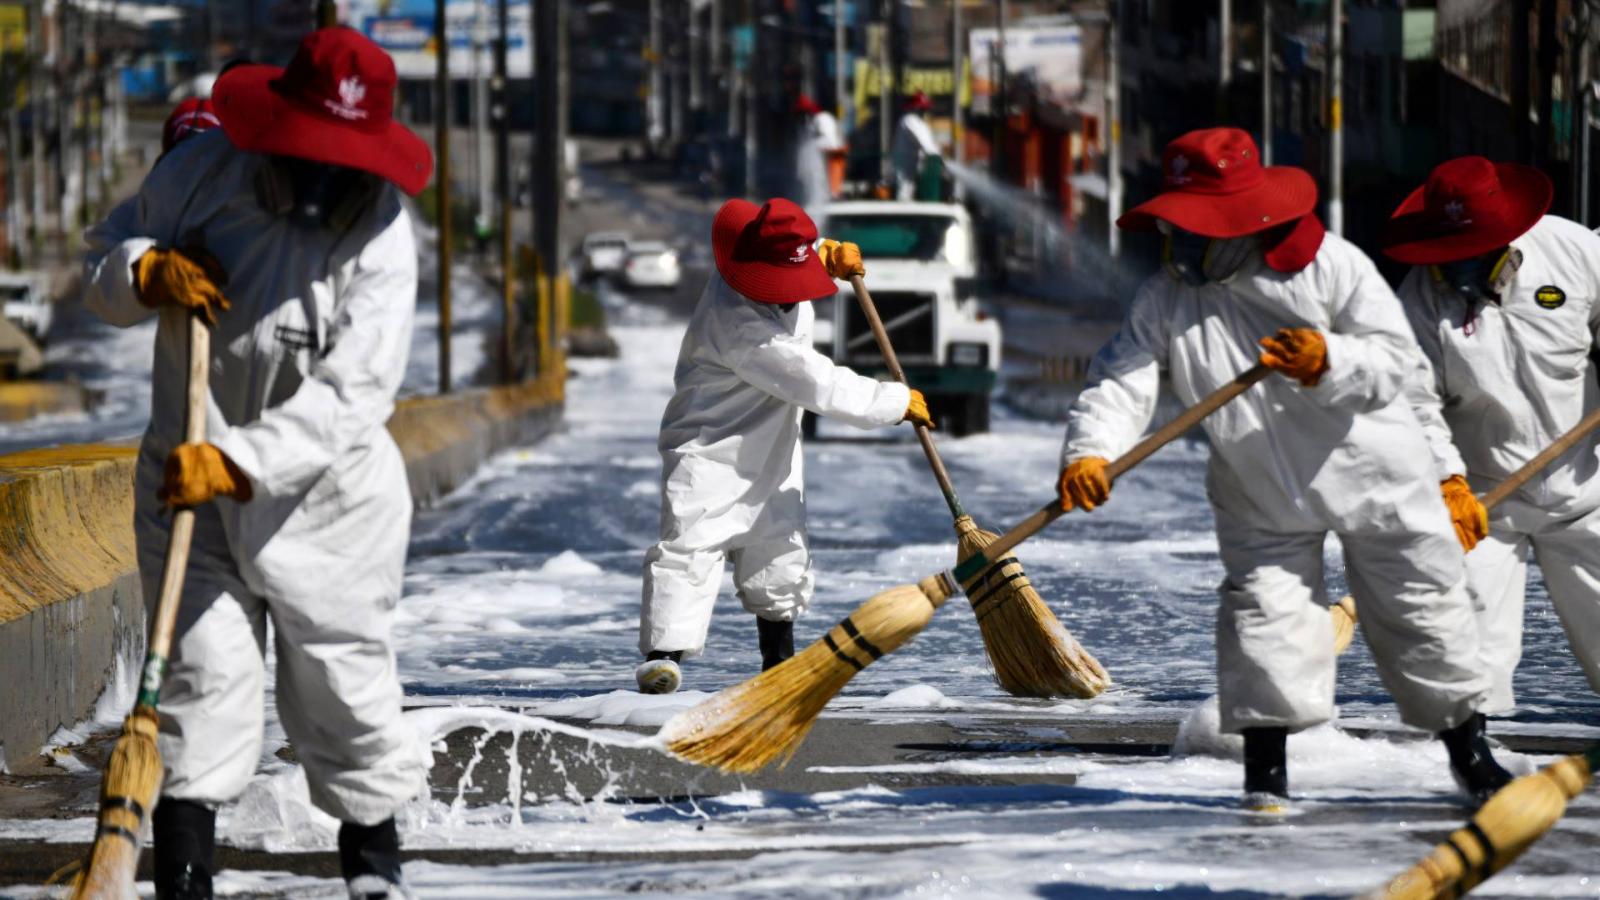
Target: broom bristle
x=745, y=727
x=128, y=793
x=1344, y=623
x=1032, y=653
x=1516, y=816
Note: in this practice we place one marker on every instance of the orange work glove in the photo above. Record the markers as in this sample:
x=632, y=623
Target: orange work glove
x=1300, y=353
x=198, y=472
x=917, y=410
x=191, y=279
x=842, y=259
x=1084, y=484
x=1467, y=514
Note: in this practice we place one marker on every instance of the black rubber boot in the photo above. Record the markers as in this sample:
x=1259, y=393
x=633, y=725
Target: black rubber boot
x=184, y=835
x=1471, y=760
x=1266, y=766
x=369, y=855
x=777, y=641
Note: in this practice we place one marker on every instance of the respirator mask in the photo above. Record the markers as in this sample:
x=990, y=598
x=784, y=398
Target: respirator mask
x=1479, y=278
x=1197, y=260
x=314, y=195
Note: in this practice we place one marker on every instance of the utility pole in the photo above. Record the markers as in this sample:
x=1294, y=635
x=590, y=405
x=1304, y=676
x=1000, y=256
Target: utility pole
x=655, y=125
x=1113, y=130
x=1520, y=89
x=38, y=165
x=1266, y=82
x=549, y=162
x=885, y=90
x=697, y=81
x=500, y=110
x=1336, y=116
x=719, y=99
x=441, y=182
x=677, y=75
x=1545, y=152
x=1224, y=56
x=958, y=119
x=841, y=93
x=1581, y=96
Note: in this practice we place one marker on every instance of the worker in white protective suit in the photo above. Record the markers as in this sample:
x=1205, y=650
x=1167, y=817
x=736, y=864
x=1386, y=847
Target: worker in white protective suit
x=1505, y=302
x=733, y=481
x=286, y=230
x=913, y=144
x=1328, y=444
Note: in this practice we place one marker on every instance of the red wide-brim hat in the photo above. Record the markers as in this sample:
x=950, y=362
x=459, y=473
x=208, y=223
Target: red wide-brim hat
x=1216, y=187
x=765, y=253
x=1494, y=204
x=307, y=111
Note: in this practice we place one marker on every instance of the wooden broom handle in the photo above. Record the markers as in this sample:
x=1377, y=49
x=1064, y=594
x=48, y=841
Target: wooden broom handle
x=924, y=436
x=1548, y=455
x=1163, y=436
x=182, y=534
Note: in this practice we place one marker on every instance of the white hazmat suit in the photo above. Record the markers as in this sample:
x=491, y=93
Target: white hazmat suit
x=1290, y=464
x=913, y=142
x=304, y=370
x=1503, y=381
x=733, y=481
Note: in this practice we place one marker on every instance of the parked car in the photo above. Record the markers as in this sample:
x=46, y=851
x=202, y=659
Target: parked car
x=604, y=252
x=26, y=299
x=651, y=265
x=922, y=269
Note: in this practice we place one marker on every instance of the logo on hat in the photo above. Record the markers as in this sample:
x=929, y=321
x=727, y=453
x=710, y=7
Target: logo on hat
x=1550, y=297
x=351, y=93
x=800, y=253
x=1180, y=165
x=1455, y=212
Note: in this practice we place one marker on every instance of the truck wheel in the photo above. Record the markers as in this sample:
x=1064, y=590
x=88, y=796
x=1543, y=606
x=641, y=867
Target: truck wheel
x=808, y=425
x=978, y=414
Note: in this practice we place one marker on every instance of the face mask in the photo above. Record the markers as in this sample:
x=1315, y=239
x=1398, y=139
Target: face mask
x=1481, y=277
x=1196, y=260
x=314, y=195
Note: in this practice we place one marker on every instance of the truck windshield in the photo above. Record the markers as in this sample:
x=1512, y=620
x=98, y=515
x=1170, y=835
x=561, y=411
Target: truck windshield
x=923, y=238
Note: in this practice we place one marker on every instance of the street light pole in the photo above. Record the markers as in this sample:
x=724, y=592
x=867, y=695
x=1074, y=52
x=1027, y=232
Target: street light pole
x=1336, y=116
x=1266, y=82
x=958, y=119
x=441, y=179
x=1113, y=136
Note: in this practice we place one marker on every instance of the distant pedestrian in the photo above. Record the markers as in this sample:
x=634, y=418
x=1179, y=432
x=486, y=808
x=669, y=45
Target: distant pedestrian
x=285, y=229
x=913, y=145
x=825, y=140
x=1330, y=445
x=733, y=480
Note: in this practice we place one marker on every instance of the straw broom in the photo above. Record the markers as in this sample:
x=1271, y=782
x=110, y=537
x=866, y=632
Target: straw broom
x=133, y=774
x=745, y=727
x=1344, y=614
x=1519, y=814
x=1031, y=653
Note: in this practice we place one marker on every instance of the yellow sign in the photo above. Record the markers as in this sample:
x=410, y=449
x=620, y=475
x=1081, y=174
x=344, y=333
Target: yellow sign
x=13, y=26
x=931, y=80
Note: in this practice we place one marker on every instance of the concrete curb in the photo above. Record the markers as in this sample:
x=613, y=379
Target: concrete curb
x=70, y=603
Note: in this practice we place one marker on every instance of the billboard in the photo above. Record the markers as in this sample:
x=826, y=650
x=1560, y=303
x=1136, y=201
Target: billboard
x=405, y=29
x=1051, y=56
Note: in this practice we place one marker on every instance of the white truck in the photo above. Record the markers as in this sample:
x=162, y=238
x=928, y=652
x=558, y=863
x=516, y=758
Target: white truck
x=922, y=270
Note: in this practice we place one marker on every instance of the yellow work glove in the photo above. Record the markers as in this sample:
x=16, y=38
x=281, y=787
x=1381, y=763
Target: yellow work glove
x=1467, y=514
x=917, y=410
x=1300, y=353
x=190, y=279
x=1084, y=484
x=842, y=259
x=198, y=472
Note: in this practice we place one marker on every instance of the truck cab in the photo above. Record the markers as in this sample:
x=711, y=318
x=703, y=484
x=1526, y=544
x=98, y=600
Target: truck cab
x=922, y=270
